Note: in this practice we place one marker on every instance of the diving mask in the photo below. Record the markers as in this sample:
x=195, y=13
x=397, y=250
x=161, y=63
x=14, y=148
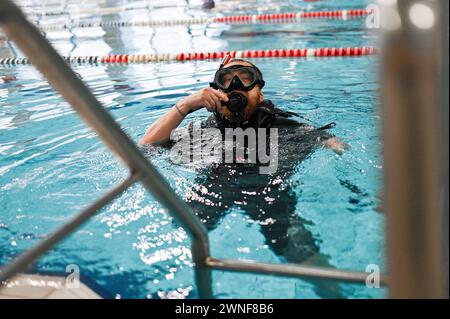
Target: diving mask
x=237, y=77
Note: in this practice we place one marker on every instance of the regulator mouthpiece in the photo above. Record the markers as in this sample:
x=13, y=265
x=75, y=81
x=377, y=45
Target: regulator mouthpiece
x=236, y=102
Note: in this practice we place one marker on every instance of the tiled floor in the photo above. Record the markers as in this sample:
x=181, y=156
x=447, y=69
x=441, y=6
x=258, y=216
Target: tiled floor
x=45, y=287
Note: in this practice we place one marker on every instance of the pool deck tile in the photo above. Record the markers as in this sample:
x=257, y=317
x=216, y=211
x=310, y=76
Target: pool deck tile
x=44, y=287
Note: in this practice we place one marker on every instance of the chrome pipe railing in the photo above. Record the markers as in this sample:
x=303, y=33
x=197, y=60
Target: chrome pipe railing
x=292, y=270
x=63, y=79
x=412, y=58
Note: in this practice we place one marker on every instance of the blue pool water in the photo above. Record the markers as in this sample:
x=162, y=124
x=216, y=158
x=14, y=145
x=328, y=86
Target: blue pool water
x=52, y=165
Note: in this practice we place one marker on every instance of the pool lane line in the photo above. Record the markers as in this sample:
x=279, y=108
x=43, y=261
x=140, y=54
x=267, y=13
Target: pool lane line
x=30, y=9
x=280, y=18
x=248, y=54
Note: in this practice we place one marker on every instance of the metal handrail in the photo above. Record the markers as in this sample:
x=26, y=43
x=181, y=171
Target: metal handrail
x=64, y=80
x=292, y=270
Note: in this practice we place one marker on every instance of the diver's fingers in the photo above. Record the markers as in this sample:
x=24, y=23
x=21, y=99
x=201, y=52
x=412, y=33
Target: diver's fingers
x=210, y=104
x=222, y=96
x=217, y=102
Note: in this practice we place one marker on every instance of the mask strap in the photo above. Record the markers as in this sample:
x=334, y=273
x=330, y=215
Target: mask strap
x=225, y=61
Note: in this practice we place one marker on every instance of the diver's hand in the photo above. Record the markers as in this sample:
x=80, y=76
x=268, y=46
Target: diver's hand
x=336, y=145
x=159, y=132
x=208, y=98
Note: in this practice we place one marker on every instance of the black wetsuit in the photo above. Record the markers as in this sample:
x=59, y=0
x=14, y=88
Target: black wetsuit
x=267, y=199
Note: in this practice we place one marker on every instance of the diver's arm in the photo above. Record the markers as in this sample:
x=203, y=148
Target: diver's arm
x=159, y=132
x=336, y=145
x=326, y=139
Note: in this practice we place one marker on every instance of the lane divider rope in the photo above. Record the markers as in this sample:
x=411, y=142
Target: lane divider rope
x=150, y=58
x=238, y=19
x=106, y=10
x=32, y=9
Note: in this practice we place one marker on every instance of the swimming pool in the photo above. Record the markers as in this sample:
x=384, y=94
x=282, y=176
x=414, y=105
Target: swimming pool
x=52, y=165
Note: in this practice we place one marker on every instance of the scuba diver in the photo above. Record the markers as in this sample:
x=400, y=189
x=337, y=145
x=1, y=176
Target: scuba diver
x=236, y=100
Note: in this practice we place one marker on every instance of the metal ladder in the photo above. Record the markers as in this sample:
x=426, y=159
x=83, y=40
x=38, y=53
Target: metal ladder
x=64, y=80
